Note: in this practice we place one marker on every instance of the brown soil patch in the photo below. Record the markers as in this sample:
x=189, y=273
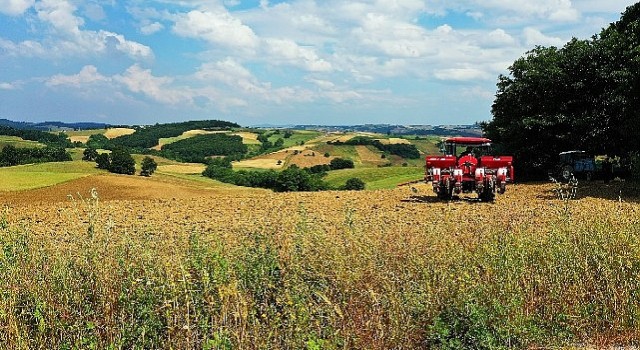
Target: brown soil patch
x=111, y=187
x=309, y=158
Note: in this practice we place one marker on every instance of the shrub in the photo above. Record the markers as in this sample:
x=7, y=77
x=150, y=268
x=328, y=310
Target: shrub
x=340, y=163
x=354, y=184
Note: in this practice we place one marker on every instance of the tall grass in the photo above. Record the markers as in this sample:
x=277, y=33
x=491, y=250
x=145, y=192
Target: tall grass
x=91, y=284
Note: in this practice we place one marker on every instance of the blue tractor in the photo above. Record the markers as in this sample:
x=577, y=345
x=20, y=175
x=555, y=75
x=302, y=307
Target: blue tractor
x=576, y=163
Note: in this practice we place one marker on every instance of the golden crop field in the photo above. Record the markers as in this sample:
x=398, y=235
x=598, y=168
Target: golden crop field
x=116, y=132
x=161, y=263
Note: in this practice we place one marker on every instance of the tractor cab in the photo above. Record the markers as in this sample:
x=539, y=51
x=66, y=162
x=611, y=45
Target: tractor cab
x=464, y=146
x=467, y=151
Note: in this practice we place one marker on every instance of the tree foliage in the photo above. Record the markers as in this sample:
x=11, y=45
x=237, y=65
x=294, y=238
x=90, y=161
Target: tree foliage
x=585, y=95
x=148, y=166
x=103, y=161
x=290, y=179
x=10, y=155
x=354, y=184
x=50, y=139
x=122, y=162
x=149, y=136
x=198, y=148
x=99, y=141
x=89, y=154
x=404, y=150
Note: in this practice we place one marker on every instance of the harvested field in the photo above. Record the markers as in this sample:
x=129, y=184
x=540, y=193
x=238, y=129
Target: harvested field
x=115, y=132
x=393, y=140
x=260, y=163
x=79, y=138
x=308, y=158
x=110, y=187
x=248, y=138
x=369, y=157
x=358, y=270
x=270, y=161
x=182, y=168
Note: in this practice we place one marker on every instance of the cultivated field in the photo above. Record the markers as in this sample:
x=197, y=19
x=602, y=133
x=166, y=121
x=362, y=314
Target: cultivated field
x=83, y=135
x=171, y=262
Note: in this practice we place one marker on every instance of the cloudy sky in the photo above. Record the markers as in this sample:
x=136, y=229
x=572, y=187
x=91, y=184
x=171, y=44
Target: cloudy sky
x=273, y=61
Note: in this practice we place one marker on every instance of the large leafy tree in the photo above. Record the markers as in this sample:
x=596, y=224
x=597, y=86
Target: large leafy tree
x=122, y=162
x=585, y=95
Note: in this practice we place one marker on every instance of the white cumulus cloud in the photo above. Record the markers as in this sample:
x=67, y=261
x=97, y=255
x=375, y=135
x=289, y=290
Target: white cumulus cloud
x=535, y=37
x=88, y=75
x=15, y=7
x=217, y=28
x=140, y=80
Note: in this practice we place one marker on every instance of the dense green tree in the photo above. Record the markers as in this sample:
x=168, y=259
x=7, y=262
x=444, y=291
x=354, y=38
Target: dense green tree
x=585, y=95
x=89, y=154
x=50, y=139
x=122, y=162
x=99, y=141
x=198, y=148
x=149, y=136
x=148, y=166
x=11, y=155
x=103, y=161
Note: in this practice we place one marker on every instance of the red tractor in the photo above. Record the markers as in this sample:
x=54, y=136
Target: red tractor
x=467, y=166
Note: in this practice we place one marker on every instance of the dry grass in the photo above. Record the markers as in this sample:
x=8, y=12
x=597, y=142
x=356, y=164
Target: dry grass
x=308, y=158
x=233, y=268
x=182, y=168
x=393, y=140
x=248, y=138
x=115, y=132
x=260, y=163
x=369, y=157
x=79, y=138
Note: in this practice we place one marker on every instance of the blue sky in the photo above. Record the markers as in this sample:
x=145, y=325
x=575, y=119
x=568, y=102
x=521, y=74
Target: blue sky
x=278, y=62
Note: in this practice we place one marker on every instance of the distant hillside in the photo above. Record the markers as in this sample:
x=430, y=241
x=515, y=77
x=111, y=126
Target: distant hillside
x=52, y=126
x=389, y=129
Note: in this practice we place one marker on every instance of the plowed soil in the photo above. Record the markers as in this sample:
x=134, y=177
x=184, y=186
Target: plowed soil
x=110, y=187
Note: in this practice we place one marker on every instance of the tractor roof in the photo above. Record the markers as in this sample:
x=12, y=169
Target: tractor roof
x=468, y=140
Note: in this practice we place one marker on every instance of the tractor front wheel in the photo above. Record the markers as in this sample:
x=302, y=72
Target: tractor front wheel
x=444, y=192
x=488, y=193
x=567, y=172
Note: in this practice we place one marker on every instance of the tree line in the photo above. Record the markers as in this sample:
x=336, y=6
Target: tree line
x=198, y=148
x=51, y=139
x=584, y=95
x=291, y=179
x=11, y=155
x=404, y=150
x=149, y=136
